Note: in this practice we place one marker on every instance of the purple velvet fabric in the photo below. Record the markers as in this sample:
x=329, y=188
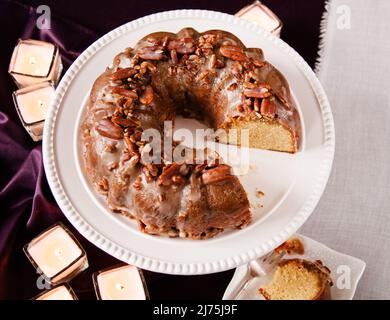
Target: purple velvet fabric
x=27, y=206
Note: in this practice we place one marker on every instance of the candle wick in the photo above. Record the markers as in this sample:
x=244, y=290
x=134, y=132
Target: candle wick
x=58, y=253
x=41, y=104
x=32, y=60
x=119, y=286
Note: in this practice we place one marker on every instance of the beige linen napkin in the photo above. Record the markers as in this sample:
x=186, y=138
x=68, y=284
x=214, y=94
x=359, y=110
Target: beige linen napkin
x=353, y=215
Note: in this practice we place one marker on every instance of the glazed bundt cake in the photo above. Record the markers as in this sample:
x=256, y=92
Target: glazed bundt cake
x=209, y=75
x=299, y=279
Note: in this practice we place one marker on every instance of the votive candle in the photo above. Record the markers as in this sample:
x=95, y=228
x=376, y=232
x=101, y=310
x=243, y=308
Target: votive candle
x=262, y=16
x=35, y=61
x=62, y=292
x=32, y=104
x=120, y=283
x=56, y=254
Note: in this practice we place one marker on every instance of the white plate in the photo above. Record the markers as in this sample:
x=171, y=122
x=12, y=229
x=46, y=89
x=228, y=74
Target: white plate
x=346, y=272
x=293, y=184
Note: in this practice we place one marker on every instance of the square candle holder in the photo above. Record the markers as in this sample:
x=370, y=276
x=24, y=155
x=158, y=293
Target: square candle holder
x=32, y=104
x=61, y=292
x=35, y=61
x=56, y=254
x=124, y=282
x=262, y=16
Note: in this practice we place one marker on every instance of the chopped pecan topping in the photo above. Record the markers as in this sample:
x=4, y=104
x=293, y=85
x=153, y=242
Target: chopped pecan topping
x=136, y=136
x=110, y=147
x=128, y=103
x=147, y=65
x=200, y=167
x=165, y=41
x=233, y=52
x=184, y=169
x=148, y=95
x=240, y=108
x=268, y=107
x=216, y=63
x=237, y=70
x=257, y=105
x=182, y=46
x=171, y=175
x=110, y=130
x=174, y=58
x=133, y=150
x=125, y=92
x=112, y=165
x=124, y=122
x=103, y=184
x=123, y=74
x=217, y=174
x=151, y=53
x=152, y=169
x=249, y=85
x=138, y=183
x=258, y=63
x=178, y=180
x=232, y=87
x=261, y=91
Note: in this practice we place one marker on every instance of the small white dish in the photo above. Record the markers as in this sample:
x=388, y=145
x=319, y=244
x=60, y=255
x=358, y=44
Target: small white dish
x=346, y=272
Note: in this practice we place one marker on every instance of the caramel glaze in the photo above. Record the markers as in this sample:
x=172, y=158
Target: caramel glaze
x=190, y=73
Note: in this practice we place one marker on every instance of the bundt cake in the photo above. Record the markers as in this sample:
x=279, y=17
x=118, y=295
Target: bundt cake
x=209, y=75
x=299, y=279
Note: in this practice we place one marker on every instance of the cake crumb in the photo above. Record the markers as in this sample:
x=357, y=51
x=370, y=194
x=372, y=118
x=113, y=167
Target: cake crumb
x=259, y=193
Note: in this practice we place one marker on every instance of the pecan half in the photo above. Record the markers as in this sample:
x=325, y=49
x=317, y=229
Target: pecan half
x=268, y=107
x=110, y=130
x=217, y=174
x=112, y=165
x=174, y=58
x=147, y=96
x=124, y=92
x=103, y=184
x=233, y=52
x=232, y=87
x=123, y=74
x=183, y=45
x=128, y=104
x=216, y=63
x=133, y=150
x=149, y=66
x=257, y=105
x=261, y=91
x=151, y=53
x=169, y=174
x=258, y=63
x=124, y=122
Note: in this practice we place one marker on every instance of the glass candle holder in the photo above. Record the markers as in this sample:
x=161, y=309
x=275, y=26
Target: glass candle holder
x=56, y=254
x=35, y=61
x=32, y=105
x=62, y=292
x=262, y=16
x=125, y=282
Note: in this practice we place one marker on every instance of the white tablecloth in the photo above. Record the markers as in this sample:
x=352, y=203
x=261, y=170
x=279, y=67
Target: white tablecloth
x=353, y=215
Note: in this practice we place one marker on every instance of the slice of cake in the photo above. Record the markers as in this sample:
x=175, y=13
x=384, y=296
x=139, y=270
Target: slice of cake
x=299, y=279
